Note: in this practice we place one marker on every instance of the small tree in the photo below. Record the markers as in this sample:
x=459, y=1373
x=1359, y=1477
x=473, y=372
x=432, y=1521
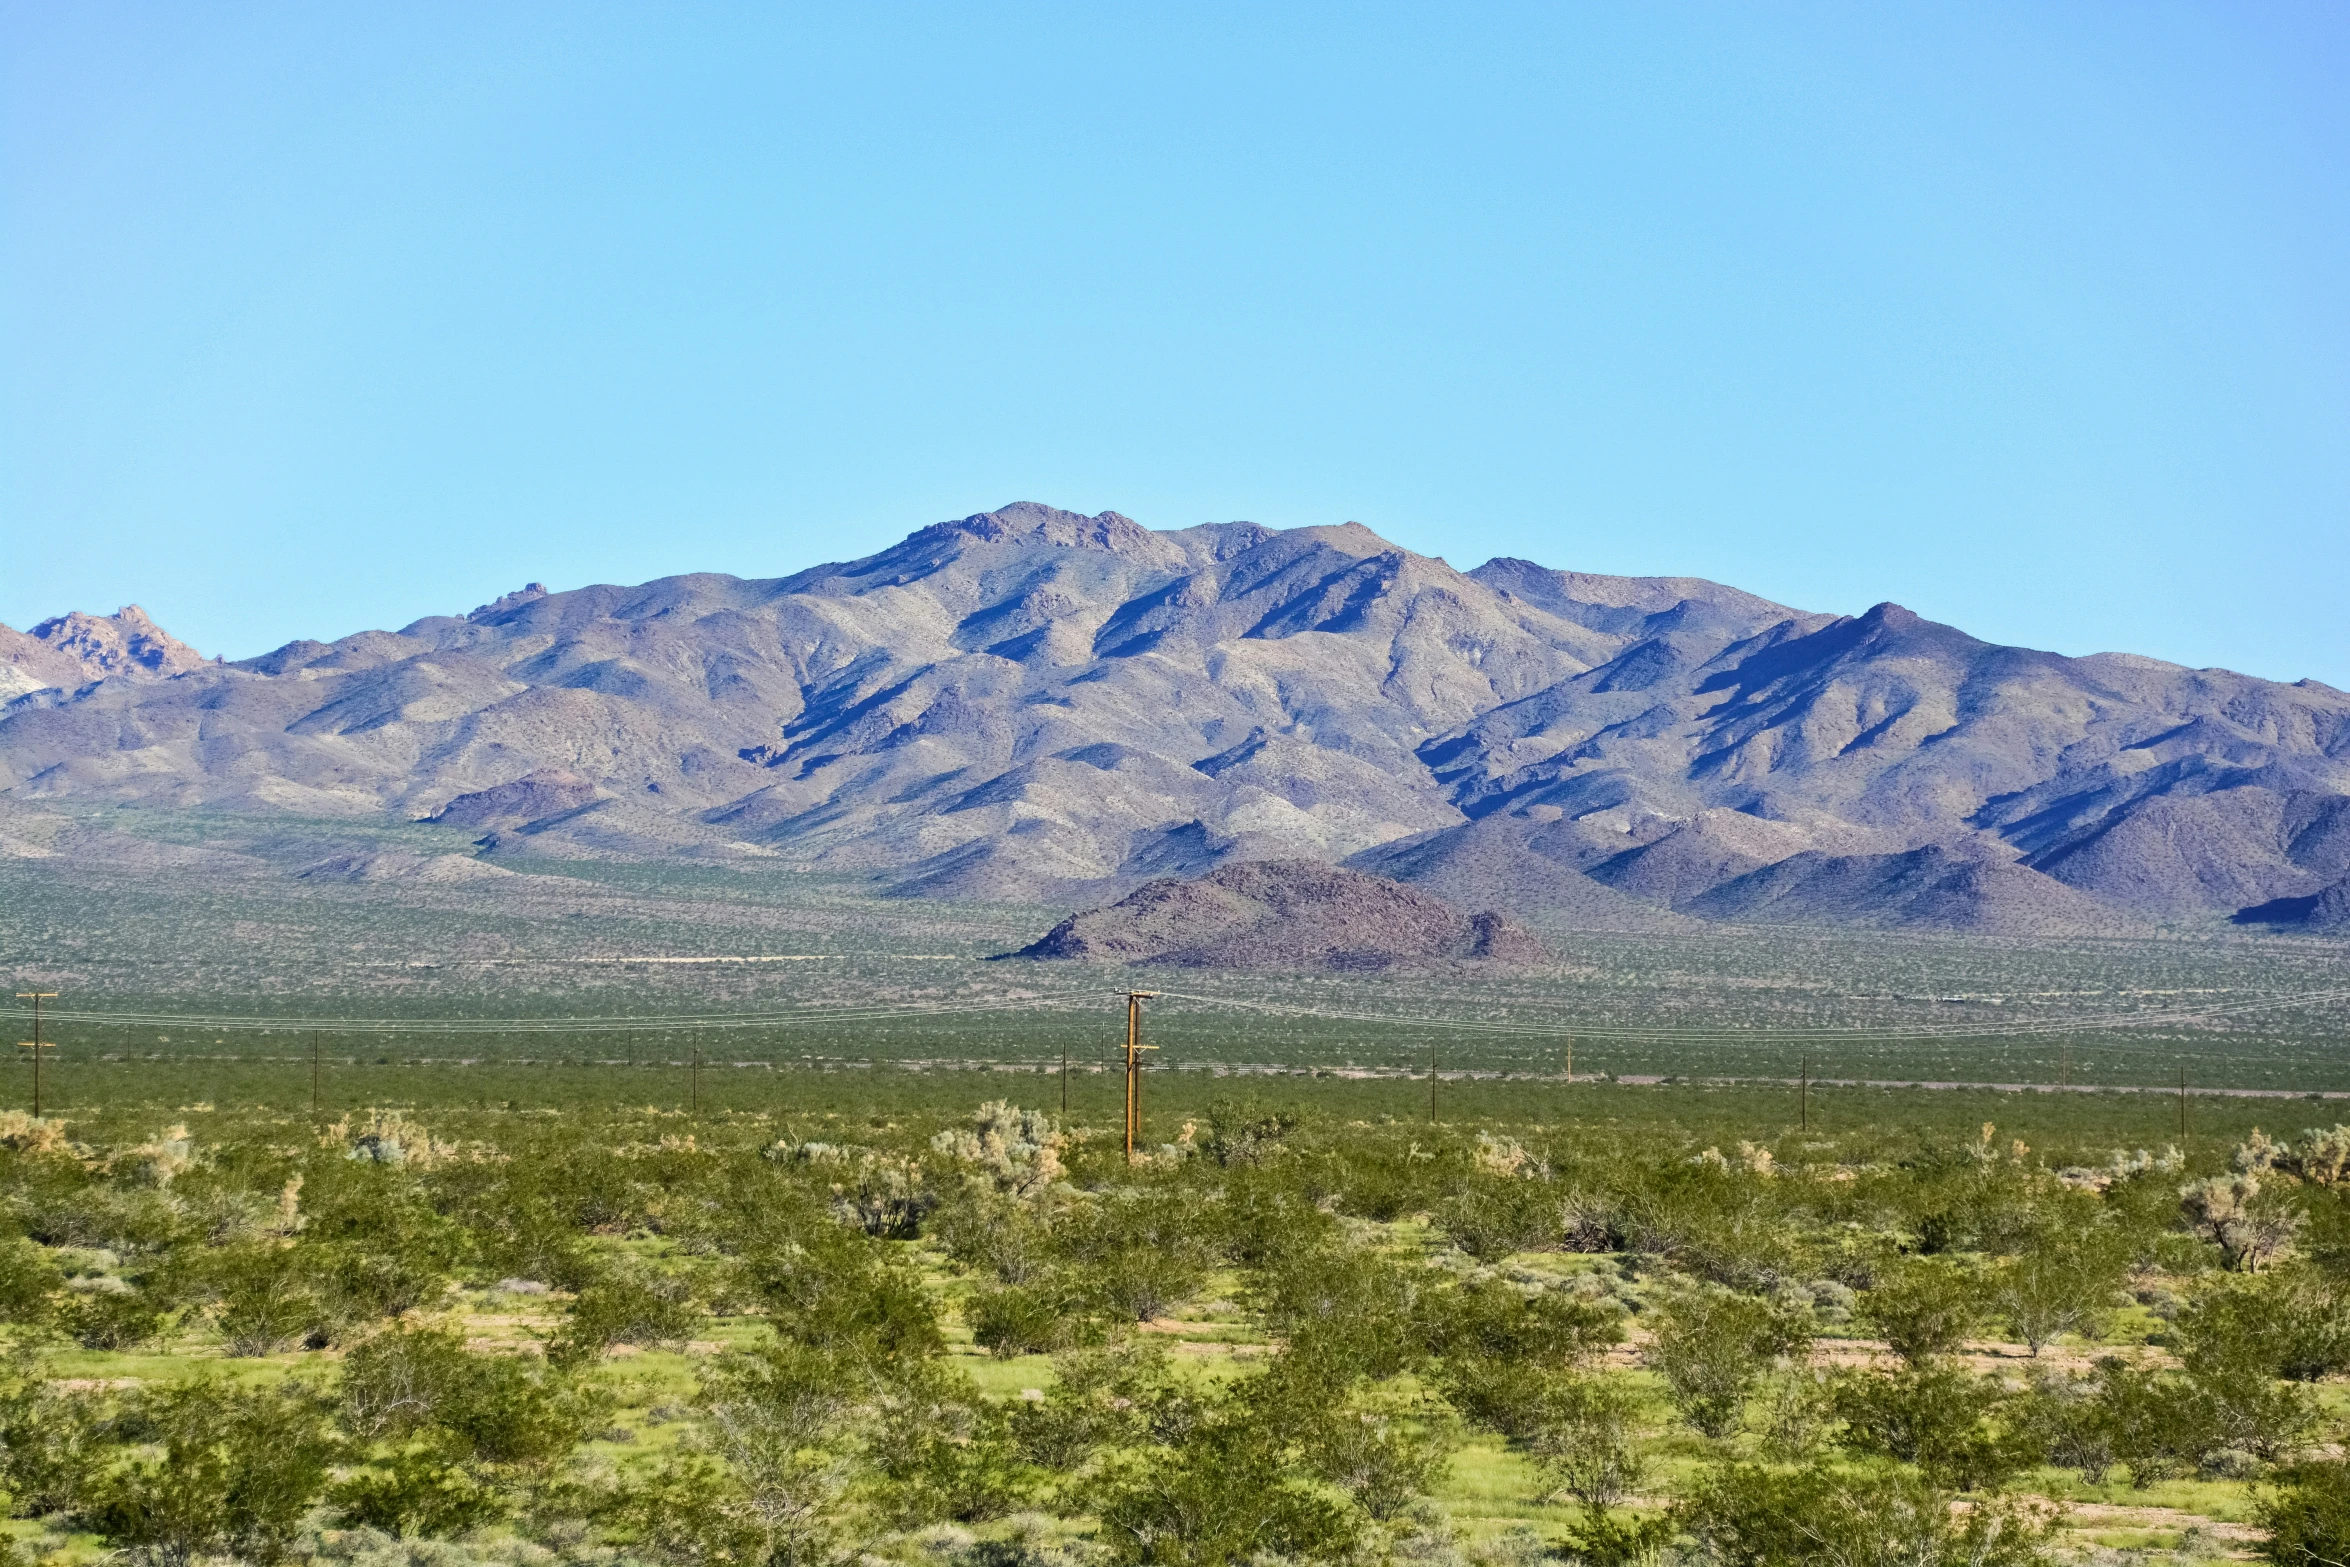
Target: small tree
x=2251, y=1222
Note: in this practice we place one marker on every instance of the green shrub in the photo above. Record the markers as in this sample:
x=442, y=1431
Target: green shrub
x=2056, y=1288
x=2307, y=1516
x=1495, y=1216
x=1924, y=1307
x=1031, y=1319
x=1711, y=1346
x=236, y=1471
x=1956, y=1427
x=1744, y=1516
x=1581, y=1430
x=626, y=1306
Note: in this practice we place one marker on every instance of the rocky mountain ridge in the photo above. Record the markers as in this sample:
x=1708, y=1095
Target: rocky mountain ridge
x=67, y=652
x=1030, y=704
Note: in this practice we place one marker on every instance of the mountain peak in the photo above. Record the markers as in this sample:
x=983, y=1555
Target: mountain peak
x=1033, y=521
x=127, y=642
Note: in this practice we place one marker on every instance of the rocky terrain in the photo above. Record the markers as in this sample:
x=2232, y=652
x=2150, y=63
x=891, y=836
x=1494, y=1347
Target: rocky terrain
x=71, y=651
x=1034, y=705
x=1286, y=915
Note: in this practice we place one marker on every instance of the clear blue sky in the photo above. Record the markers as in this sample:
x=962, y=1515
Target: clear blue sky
x=2033, y=317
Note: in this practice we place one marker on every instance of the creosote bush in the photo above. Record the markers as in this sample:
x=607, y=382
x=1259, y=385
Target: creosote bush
x=755, y=1339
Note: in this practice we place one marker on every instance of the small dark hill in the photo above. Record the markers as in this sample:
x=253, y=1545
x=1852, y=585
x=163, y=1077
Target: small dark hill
x=547, y=792
x=1286, y=914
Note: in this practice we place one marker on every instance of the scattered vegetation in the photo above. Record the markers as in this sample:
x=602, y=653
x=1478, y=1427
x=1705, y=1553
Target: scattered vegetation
x=606, y=1336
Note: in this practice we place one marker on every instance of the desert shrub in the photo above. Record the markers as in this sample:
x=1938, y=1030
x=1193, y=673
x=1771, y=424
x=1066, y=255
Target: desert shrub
x=2062, y=1416
x=1025, y=1319
x=626, y=1306
x=374, y=1241
x=1382, y=1452
x=112, y=1319
x=1347, y=1302
x=1956, y=1427
x=1247, y=1131
x=1499, y=1346
x=1743, y=1516
x=830, y=1289
x=1711, y=1347
x=2307, y=1516
x=1714, y=1222
x=266, y=1296
x=2055, y=1287
x=2294, y=1323
x=943, y=1452
x=1141, y=1254
x=1580, y=1429
x=995, y=1235
x=766, y=1484
x=1226, y=1493
x=52, y=1443
x=237, y=1468
x=28, y=1284
x=1493, y=1216
x=419, y=1489
x=1798, y=1411
x=1924, y=1307
x=499, y=1409
x=1264, y=1217
x=1102, y=1399
x=2251, y=1221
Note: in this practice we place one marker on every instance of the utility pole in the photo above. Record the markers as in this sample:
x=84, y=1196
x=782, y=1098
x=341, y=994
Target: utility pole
x=1431, y=1081
x=1064, y=1079
x=2064, y=1067
x=695, y=1078
x=1803, y=1096
x=2182, y=1101
x=314, y=1072
x=35, y=1044
x=1134, y=1049
x=1570, y=1063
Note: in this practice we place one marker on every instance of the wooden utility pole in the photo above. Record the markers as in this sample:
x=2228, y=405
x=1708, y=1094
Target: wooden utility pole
x=1803, y=1096
x=35, y=1044
x=695, y=1079
x=1431, y=1081
x=315, y=1095
x=2064, y=1067
x=2182, y=1101
x=1064, y=1079
x=1134, y=1049
x=1570, y=1062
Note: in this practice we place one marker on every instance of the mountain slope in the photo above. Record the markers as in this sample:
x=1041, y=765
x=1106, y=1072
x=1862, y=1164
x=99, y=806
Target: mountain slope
x=1034, y=704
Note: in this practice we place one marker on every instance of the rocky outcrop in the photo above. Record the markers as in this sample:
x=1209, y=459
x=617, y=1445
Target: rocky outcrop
x=69, y=651
x=1286, y=915
x=550, y=791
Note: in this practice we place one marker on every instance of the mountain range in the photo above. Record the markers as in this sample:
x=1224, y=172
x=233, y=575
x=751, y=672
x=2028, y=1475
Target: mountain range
x=1035, y=705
